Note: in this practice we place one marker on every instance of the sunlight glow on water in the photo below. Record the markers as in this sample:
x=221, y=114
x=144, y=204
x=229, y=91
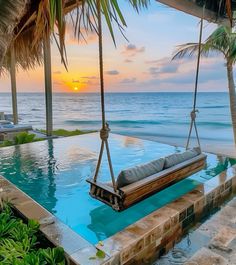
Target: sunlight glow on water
x=54, y=172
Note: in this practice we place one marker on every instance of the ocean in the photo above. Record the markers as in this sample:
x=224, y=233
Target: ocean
x=163, y=116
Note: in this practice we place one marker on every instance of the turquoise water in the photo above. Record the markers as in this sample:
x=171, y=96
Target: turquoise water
x=54, y=172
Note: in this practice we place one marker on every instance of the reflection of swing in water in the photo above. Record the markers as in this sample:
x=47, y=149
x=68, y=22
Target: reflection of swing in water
x=135, y=184
x=222, y=165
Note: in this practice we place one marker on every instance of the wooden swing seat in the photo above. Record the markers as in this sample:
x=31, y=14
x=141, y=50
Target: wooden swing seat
x=128, y=195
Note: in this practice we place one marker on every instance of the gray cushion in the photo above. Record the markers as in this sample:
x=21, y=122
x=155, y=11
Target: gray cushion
x=139, y=172
x=177, y=158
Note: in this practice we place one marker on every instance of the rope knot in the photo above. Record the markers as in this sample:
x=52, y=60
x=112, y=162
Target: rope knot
x=104, y=132
x=193, y=114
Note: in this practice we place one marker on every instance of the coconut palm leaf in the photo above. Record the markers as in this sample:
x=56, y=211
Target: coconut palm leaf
x=223, y=41
x=40, y=18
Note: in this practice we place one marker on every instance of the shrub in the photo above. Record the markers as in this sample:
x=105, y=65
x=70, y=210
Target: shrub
x=20, y=138
x=19, y=242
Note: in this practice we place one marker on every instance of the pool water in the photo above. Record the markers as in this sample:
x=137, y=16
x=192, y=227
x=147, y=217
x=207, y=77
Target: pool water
x=54, y=173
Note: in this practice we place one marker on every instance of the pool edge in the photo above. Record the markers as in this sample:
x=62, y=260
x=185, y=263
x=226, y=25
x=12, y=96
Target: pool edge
x=58, y=233
x=153, y=235
x=157, y=233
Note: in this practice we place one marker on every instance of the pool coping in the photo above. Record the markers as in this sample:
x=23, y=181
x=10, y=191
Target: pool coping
x=149, y=237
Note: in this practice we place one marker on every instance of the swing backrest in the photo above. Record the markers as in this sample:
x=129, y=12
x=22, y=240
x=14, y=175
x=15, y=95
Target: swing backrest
x=139, y=172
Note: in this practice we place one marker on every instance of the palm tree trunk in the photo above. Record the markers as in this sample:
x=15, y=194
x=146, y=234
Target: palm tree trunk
x=232, y=96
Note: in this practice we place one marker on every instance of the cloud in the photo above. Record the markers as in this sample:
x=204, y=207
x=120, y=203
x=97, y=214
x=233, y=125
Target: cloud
x=163, y=66
x=57, y=83
x=132, y=50
x=128, y=80
x=112, y=72
x=152, y=61
x=128, y=61
x=75, y=81
x=57, y=72
x=167, y=75
x=90, y=77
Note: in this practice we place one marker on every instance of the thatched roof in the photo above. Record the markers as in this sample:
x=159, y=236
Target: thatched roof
x=23, y=26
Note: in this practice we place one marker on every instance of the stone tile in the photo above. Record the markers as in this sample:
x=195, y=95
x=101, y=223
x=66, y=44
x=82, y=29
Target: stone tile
x=180, y=204
x=232, y=259
x=113, y=245
x=131, y=251
x=194, y=196
x=4, y=183
x=183, y=206
x=146, y=256
x=211, y=227
x=228, y=214
x=87, y=256
x=32, y=210
x=224, y=237
x=206, y=257
x=232, y=203
x=61, y=235
x=234, y=184
x=152, y=236
x=171, y=236
x=138, y=229
x=17, y=197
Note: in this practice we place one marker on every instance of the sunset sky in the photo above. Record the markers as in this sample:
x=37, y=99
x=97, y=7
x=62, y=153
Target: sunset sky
x=142, y=64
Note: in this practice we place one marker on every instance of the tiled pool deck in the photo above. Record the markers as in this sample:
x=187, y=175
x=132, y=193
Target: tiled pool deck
x=139, y=243
x=214, y=242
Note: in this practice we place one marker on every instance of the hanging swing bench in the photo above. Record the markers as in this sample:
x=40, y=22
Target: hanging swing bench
x=137, y=183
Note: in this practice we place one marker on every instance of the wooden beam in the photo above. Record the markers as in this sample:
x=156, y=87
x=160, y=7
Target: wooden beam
x=190, y=7
x=48, y=85
x=13, y=85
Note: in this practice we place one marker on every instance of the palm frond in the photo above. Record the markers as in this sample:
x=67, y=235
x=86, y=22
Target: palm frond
x=42, y=18
x=222, y=40
x=86, y=15
x=184, y=50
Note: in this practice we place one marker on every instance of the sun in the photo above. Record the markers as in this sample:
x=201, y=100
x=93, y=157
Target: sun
x=76, y=88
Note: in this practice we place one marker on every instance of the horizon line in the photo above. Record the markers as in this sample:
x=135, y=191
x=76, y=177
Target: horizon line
x=114, y=92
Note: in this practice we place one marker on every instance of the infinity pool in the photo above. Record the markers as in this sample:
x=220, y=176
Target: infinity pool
x=53, y=173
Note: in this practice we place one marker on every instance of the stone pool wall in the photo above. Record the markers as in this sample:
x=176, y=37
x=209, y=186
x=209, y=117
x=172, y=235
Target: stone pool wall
x=141, y=242
x=157, y=233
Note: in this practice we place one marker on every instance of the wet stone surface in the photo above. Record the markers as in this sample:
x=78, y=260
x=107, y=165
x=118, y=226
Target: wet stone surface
x=212, y=243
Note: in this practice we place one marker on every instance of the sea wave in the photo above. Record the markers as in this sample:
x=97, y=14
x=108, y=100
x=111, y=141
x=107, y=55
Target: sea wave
x=149, y=122
x=214, y=107
x=113, y=122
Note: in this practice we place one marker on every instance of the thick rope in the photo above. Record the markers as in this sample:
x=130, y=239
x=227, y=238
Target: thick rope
x=104, y=132
x=101, y=64
x=194, y=111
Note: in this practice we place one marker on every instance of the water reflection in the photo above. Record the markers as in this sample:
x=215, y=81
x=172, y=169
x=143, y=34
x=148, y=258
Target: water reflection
x=52, y=167
x=103, y=218
x=29, y=169
x=54, y=173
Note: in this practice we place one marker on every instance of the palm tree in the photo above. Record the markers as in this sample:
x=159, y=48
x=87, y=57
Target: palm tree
x=222, y=41
x=31, y=21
